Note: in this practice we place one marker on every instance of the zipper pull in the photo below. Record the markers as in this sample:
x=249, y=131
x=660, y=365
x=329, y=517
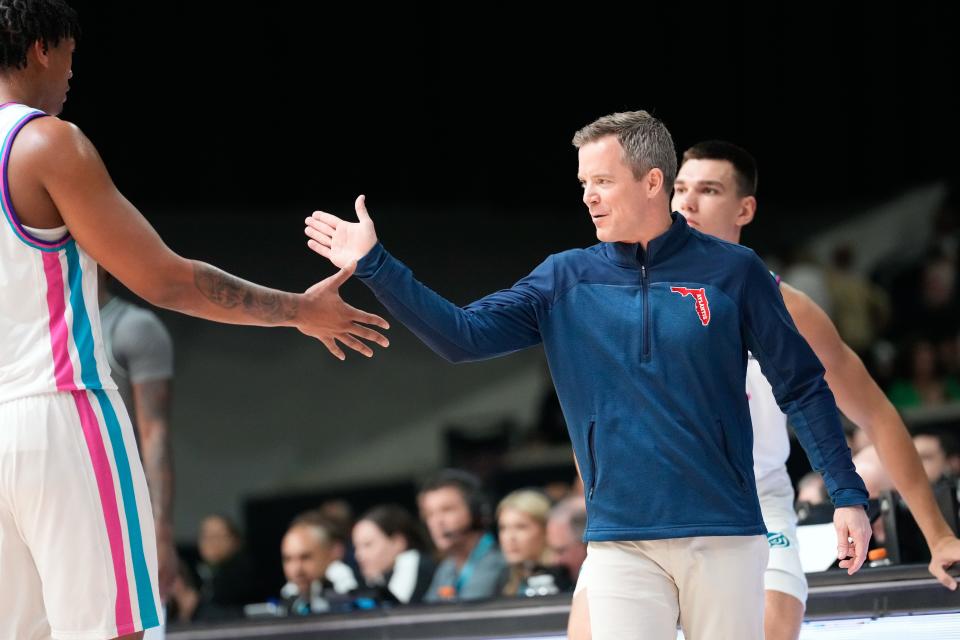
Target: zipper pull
x=643, y=271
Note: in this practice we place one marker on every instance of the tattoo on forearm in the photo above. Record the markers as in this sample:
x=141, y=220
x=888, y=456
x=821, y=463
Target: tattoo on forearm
x=228, y=291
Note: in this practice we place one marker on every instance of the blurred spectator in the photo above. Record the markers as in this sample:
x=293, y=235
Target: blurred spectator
x=857, y=438
x=875, y=477
x=807, y=275
x=948, y=354
x=227, y=578
x=393, y=554
x=308, y=550
x=882, y=362
x=937, y=317
x=951, y=445
x=565, y=527
x=925, y=298
x=336, y=516
x=458, y=517
x=557, y=490
x=935, y=450
x=939, y=452
x=522, y=522
x=861, y=309
x=933, y=455
x=812, y=499
x=338, y=513
x=924, y=383
x=184, y=597
x=811, y=490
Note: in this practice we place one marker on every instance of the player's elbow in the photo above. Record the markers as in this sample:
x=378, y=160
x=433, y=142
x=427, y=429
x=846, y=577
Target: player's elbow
x=172, y=286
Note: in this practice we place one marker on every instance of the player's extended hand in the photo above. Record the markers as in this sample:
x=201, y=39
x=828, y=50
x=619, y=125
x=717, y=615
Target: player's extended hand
x=325, y=316
x=945, y=553
x=853, y=537
x=339, y=241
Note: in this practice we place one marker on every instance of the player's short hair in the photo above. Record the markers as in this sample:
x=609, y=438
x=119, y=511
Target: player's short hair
x=744, y=165
x=23, y=22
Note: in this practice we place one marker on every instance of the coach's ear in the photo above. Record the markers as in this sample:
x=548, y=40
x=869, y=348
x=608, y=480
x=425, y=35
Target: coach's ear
x=653, y=181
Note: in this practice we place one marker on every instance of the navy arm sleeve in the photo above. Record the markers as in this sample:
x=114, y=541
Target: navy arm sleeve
x=796, y=375
x=500, y=323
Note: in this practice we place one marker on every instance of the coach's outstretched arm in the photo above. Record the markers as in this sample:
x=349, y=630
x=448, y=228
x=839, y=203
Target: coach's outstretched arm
x=497, y=324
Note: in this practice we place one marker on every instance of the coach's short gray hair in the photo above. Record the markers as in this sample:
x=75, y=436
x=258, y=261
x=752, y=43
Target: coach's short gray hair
x=645, y=140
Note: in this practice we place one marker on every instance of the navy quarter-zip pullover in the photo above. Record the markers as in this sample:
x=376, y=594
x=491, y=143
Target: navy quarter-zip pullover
x=648, y=352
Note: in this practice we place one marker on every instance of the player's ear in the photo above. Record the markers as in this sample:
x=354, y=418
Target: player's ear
x=39, y=52
x=748, y=208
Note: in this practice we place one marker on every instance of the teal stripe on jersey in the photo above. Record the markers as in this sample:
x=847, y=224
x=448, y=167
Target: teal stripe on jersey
x=148, y=608
x=83, y=337
x=82, y=332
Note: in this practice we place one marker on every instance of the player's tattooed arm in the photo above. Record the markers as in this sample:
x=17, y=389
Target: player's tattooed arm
x=227, y=291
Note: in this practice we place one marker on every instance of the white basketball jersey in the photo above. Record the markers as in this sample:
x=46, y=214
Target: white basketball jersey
x=50, y=337
x=771, y=443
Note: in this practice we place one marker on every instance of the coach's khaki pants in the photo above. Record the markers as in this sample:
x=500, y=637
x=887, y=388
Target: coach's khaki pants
x=712, y=586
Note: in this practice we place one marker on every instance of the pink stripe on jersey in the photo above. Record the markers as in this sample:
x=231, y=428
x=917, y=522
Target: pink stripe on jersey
x=59, y=339
x=111, y=513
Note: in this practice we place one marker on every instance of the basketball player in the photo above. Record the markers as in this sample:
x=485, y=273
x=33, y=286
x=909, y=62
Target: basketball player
x=646, y=334
x=77, y=541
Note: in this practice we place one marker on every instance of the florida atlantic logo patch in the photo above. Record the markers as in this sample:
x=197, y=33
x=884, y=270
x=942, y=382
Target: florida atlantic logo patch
x=777, y=539
x=699, y=302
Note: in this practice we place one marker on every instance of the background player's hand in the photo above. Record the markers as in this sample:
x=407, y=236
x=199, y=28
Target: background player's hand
x=340, y=241
x=325, y=316
x=167, y=567
x=851, y=522
x=945, y=553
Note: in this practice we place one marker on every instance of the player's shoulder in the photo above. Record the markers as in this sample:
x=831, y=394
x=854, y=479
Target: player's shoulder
x=51, y=134
x=796, y=300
